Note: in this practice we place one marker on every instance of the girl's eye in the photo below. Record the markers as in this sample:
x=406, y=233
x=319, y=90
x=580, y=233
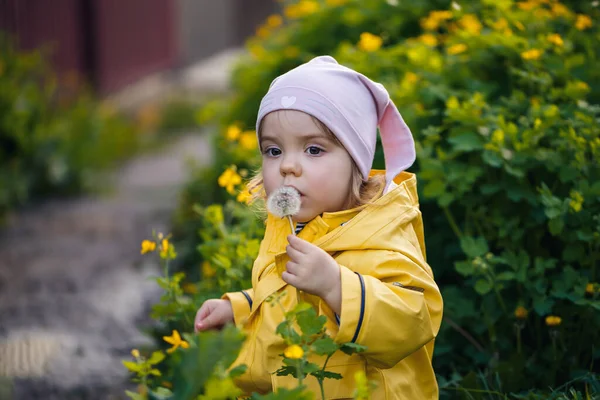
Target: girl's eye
x=272, y=151
x=314, y=150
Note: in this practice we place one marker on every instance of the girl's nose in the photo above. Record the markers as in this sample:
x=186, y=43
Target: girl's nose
x=290, y=165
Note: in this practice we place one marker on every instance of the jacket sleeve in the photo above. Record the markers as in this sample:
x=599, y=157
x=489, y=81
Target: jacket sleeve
x=393, y=310
x=241, y=302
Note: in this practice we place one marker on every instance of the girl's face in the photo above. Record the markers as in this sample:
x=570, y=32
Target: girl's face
x=295, y=152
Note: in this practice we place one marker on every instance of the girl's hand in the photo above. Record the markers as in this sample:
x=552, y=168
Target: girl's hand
x=213, y=314
x=313, y=270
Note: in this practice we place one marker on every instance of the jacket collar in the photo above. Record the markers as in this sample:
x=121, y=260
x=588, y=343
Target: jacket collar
x=328, y=232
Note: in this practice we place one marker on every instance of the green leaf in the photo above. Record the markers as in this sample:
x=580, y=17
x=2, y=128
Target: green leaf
x=309, y=323
x=132, y=366
x=542, y=305
x=326, y=375
x=209, y=350
x=163, y=282
x=492, y=158
x=298, y=393
x=574, y=252
x=220, y=389
x=324, y=346
x=468, y=141
x=352, y=348
x=474, y=247
x=310, y=368
x=483, y=286
x=556, y=226
x=287, y=370
x=465, y=268
x=161, y=393
x=434, y=188
x=446, y=199
x=156, y=357
x=134, y=396
x=505, y=276
x=238, y=371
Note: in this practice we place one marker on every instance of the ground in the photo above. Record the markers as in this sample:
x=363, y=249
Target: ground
x=73, y=287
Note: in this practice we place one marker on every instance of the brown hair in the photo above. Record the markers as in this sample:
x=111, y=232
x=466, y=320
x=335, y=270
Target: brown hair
x=361, y=192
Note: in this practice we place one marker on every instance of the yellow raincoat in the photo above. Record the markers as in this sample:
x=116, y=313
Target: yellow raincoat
x=390, y=301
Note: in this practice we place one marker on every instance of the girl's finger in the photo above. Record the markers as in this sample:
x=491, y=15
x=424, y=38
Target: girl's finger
x=299, y=244
x=289, y=278
x=293, y=253
x=292, y=267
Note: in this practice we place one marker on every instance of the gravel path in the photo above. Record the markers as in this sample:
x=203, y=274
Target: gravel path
x=73, y=287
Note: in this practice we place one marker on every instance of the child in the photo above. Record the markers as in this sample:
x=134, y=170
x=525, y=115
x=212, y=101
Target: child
x=317, y=130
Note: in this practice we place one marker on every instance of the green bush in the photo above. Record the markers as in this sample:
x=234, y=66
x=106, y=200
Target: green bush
x=52, y=137
x=502, y=98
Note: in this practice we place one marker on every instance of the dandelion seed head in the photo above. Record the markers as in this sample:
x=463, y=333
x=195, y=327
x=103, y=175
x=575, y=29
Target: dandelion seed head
x=284, y=202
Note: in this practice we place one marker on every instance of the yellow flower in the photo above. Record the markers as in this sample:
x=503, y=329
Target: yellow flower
x=233, y=132
x=301, y=9
x=500, y=25
x=369, y=42
x=189, y=288
x=148, y=246
x=411, y=77
x=428, y=39
x=262, y=32
x=527, y=5
x=176, y=341
x=208, y=270
x=457, y=49
x=470, y=23
x=248, y=140
x=291, y=52
x=229, y=179
x=553, y=320
x=521, y=312
x=532, y=54
x=520, y=25
x=559, y=10
x=452, y=103
x=535, y=102
x=166, y=249
x=135, y=353
x=294, y=351
x=257, y=51
x=590, y=288
x=582, y=86
x=555, y=39
x=576, y=202
x=537, y=123
x=583, y=22
x=244, y=196
x=432, y=21
x=274, y=21
x=498, y=136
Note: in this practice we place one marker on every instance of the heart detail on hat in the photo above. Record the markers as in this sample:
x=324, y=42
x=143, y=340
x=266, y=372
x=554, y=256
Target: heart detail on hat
x=288, y=101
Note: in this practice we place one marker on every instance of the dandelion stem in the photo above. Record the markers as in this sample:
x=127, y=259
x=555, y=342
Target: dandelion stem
x=289, y=217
